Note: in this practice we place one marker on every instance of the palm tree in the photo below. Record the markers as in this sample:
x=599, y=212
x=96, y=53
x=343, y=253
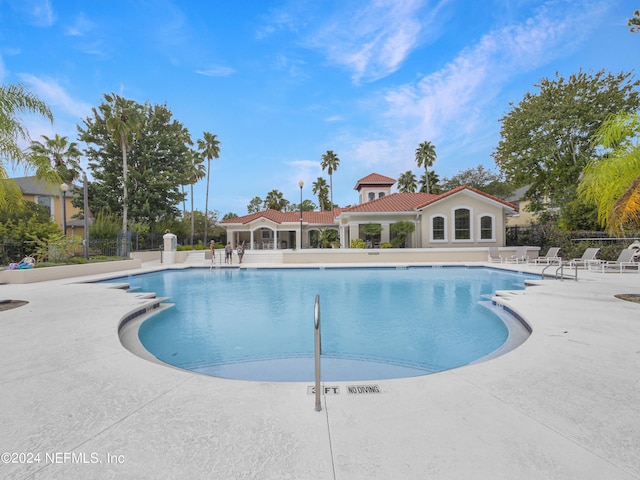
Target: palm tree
x=196, y=173
x=612, y=182
x=320, y=189
x=433, y=182
x=123, y=122
x=330, y=161
x=407, y=182
x=274, y=200
x=58, y=154
x=209, y=147
x=14, y=100
x=426, y=155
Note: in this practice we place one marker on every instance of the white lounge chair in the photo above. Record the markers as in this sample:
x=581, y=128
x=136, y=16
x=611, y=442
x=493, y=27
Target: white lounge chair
x=519, y=257
x=494, y=255
x=624, y=263
x=550, y=257
x=588, y=258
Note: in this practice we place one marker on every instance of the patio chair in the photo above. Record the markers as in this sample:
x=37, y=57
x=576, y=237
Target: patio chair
x=588, y=257
x=494, y=255
x=624, y=263
x=549, y=258
x=519, y=257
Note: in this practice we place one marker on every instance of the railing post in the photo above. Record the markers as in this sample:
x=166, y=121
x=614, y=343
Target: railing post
x=316, y=324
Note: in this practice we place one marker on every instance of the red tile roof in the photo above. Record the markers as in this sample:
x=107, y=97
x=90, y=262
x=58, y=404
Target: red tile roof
x=374, y=179
x=315, y=218
x=396, y=202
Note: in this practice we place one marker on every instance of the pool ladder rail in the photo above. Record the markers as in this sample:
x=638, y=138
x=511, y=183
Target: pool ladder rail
x=559, y=273
x=317, y=350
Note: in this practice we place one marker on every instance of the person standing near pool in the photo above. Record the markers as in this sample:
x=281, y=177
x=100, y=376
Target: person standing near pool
x=228, y=253
x=212, y=246
x=240, y=250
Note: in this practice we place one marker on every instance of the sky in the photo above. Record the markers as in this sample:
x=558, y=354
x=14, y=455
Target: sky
x=281, y=82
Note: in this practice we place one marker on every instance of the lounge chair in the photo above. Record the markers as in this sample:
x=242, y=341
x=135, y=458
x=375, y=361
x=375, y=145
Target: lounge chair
x=519, y=257
x=624, y=263
x=550, y=257
x=587, y=258
x=494, y=255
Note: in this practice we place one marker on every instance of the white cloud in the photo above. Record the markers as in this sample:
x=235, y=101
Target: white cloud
x=373, y=39
x=216, y=71
x=80, y=27
x=38, y=12
x=54, y=95
x=456, y=102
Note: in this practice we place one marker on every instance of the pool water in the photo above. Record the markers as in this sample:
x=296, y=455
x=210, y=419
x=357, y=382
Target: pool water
x=376, y=323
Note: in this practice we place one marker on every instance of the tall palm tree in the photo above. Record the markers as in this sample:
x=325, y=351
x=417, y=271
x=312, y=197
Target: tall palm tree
x=330, y=162
x=407, y=182
x=196, y=173
x=15, y=99
x=209, y=147
x=320, y=189
x=612, y=182
x=123, y=122
x=426, y=155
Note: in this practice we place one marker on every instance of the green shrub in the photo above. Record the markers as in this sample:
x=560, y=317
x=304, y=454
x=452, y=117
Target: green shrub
x=357, y=243
x=386, y=245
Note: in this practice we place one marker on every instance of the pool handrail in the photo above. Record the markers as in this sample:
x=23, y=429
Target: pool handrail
x=316, y=326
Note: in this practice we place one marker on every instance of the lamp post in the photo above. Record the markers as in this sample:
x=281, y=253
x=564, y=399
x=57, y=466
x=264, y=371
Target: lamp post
x=63, y=188
x=85, y=214
x=301, y=184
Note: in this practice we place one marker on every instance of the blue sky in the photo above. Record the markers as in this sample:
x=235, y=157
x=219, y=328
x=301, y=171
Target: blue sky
x=282, y=82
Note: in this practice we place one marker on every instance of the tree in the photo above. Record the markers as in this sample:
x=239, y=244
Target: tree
x=57, y=153
x=433, y=182
x=612, y=181
x=255, y=205
x=123, y=121
x=330, y=162
x=426, y=155
x=15, y=99
x=209, y=146
x=480, y=178
x=158, y=162
x=407, y=182
x=275, y=201
x=402, y=230
x=321, y=189
x=546, y=138
x=634, y=22
x=196, y=173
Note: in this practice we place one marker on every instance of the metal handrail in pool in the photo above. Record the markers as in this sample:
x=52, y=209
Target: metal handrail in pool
x=316, y=327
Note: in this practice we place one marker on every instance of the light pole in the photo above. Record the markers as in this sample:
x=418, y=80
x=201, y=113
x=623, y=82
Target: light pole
x=63, y=188
x=301, y=184
x=85, y=214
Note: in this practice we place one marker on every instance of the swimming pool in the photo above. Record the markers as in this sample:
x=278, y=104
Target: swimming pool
x=376, y=322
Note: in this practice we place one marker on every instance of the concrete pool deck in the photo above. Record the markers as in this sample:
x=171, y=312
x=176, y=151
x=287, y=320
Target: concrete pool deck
x=564, y=405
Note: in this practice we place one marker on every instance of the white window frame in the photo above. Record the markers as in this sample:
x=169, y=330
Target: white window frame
x=493, y=227
x=453, y=225
x=431, y=218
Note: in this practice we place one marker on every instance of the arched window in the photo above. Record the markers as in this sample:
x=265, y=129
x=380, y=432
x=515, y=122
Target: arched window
x=372, y=196
x=437, y=228
x=486, y=227
x=462, y=224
